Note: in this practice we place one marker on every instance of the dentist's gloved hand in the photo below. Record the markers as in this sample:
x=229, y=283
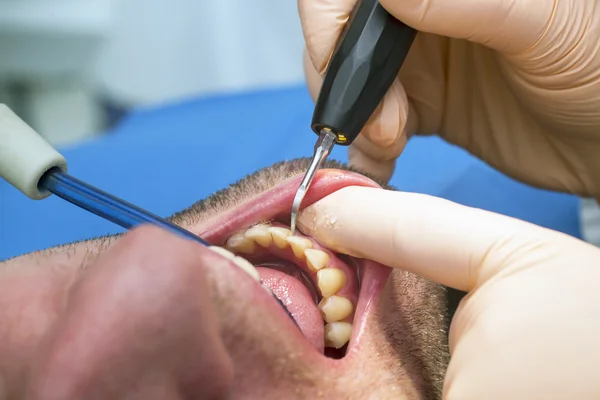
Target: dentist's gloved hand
x=516, y=83
x=529, y=326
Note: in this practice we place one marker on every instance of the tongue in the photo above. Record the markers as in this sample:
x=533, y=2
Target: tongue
x=296, y=297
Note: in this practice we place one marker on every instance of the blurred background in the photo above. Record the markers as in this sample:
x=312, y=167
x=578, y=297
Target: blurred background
x=73, y=68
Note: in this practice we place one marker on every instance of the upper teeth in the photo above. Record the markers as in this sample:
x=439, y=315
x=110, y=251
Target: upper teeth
x=279, y=236
x=239, y=243
x=329, y=279
x=299, y=245
x=260, y=234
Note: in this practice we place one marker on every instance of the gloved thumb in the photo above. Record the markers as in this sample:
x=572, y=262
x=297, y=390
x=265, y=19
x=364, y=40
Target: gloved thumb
x=455, y=245
x=507, y=26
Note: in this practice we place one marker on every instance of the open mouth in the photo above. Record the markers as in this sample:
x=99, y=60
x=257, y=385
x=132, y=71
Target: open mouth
x=329, y=295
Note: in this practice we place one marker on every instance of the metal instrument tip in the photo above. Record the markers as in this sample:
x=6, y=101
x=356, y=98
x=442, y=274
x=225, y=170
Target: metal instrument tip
x=296, y=207
x=322, y=149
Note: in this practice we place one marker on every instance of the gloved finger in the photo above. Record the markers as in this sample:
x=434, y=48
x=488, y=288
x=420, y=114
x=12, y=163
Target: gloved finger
x=531, y=290
x=322, y=22
x=381, y=150
x=378, y=160
x=387, y=127
x=457, y=246
x=313, y=78
x=508, y=26
x=382, y=170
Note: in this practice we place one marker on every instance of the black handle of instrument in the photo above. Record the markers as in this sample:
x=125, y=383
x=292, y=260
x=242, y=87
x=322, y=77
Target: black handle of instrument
x=367, y=59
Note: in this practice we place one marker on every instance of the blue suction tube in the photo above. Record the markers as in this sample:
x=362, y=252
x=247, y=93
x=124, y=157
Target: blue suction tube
x=106, y=205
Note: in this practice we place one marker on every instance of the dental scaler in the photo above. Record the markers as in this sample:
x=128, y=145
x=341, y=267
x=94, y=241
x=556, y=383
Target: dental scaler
x=36, y=169
x=367, y=58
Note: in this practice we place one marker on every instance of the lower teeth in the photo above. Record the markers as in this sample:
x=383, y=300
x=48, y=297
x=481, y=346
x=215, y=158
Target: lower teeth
x=326, y=288
x=336, y=333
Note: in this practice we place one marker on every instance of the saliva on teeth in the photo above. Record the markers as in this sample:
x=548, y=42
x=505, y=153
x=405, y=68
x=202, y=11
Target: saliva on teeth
x=330, y=280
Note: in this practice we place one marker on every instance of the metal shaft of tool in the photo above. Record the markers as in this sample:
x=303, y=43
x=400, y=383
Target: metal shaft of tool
x=322, y=149
x=367, y=58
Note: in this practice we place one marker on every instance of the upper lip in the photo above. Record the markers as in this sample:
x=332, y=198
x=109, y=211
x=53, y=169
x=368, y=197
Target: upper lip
x=276, y=204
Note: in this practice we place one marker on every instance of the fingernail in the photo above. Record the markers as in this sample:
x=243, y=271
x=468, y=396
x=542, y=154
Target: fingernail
x=306, y=220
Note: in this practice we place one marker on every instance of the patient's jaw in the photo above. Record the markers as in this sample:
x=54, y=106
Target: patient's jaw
x=402, y=352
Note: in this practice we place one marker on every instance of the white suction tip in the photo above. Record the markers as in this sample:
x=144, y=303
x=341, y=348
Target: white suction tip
x=24, y=155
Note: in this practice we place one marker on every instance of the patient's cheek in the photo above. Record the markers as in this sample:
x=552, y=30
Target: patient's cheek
x=34, y=291
x=30, y=301
x=32, y=296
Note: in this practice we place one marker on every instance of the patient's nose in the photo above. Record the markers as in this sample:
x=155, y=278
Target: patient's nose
x=140, y=317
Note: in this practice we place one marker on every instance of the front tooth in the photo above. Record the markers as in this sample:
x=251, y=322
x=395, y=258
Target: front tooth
x=337, y=334
x=244, y=264
x=224, y=252
x=279, y=236
x=299, y=245
x=316, y=259
x=248, y=267
x=239, y=243
x=335, y=308
x=260, y=234
x=330, y=280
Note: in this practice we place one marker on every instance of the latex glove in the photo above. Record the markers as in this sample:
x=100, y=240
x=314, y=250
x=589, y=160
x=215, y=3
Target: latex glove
x=529, y=326
x=517, y=83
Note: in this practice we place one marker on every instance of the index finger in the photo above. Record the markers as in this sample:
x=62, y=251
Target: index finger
x=448, y=243
x=322, y=23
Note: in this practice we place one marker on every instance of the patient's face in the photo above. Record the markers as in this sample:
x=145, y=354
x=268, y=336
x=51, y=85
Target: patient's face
x=361, y=331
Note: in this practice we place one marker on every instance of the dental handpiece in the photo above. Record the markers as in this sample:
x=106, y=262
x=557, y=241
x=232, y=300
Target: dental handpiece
x=36, y=169
x=367, y=58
